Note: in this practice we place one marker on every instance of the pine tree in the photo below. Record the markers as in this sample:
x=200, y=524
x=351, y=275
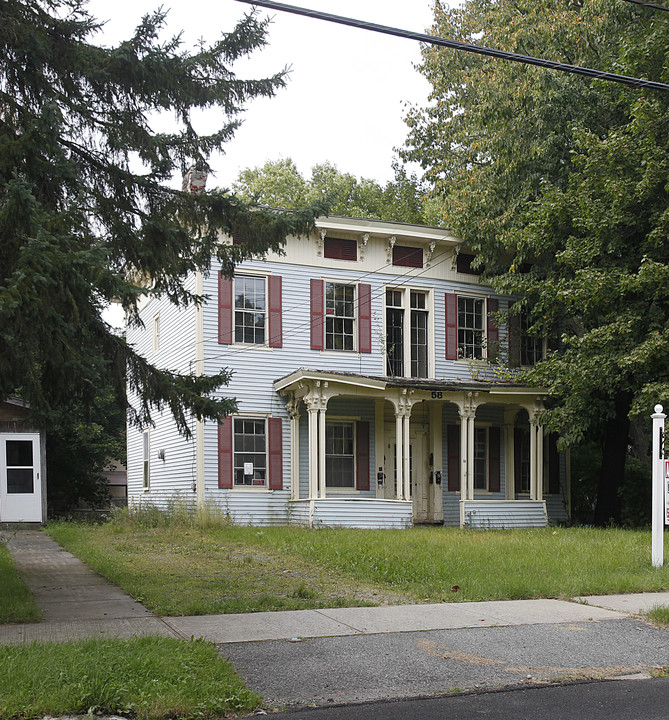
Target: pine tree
x=87, y=215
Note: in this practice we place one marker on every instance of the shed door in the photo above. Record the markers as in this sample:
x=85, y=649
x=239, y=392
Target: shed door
x=20, y=478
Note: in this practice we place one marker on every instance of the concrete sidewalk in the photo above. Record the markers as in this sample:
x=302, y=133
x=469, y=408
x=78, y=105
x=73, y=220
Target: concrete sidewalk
x=350, y=655
x=77, y=603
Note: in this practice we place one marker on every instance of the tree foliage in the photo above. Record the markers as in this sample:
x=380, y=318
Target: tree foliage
x=560, y=184
x=87, y=215
x=280, y=184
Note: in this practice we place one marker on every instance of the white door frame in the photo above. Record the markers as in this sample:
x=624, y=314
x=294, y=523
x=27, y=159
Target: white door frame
x=21, y=506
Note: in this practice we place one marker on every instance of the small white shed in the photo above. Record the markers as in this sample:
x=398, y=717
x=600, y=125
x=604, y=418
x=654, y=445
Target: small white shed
x=22, y=465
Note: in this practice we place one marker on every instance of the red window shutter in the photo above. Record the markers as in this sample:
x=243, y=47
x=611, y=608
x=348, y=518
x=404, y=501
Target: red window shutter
x=340, y=249
x=492, y=329
x=274, y=307
x=364, y=318
x=518, y=459
x=238, y=239
x=275, y=447
x=225, y=310
x=494, y=458
x=451, y=326
x=553, y=465
x=514, y=340
x=225, y=453
x=362, y=455
x=317, y=314
x=407, y=256
x=453, y=439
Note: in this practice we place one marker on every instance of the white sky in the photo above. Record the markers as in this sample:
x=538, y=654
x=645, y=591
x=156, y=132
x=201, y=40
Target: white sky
x=346, y=94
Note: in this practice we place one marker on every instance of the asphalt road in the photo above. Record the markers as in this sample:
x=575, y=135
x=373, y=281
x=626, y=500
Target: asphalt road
x=611, y=700
x=366, y=668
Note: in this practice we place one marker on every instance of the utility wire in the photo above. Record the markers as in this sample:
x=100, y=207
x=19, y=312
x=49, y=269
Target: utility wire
x=649, y=5
x=466, y=47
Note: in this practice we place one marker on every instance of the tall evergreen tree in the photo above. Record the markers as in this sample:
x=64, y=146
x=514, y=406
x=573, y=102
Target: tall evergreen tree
x=86, y=212
x=560, y=184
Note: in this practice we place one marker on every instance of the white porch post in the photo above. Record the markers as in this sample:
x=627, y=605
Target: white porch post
x=540, y=462
x=464, y=453
x=406, y=455
x=313, y=450
x=533, y=460
x=399, y=462
x=294, y=411
x=321, y=452
x=470, y=456
x=509, y=452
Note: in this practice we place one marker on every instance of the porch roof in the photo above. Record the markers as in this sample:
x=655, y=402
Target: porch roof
x=378, y=382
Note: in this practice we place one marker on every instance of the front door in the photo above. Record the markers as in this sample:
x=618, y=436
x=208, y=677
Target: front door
x=20, y=478
x=425, y=493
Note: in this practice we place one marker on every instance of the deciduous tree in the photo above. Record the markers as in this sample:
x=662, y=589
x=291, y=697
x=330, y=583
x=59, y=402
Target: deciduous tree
x=560, y=184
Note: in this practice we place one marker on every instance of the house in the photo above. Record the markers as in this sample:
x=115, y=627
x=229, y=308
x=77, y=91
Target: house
x=22, y=465
x=363, y=367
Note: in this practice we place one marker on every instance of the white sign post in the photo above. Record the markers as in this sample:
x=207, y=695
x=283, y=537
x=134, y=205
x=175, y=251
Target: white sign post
x=660, y=482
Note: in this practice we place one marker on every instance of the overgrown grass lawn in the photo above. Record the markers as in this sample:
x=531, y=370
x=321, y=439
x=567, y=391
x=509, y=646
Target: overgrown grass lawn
x=185, y=570
x=149, y=678
x=16, y=601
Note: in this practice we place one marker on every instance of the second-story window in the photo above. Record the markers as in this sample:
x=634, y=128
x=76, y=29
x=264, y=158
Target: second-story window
x=470, y=327
x=394, y=333
x=339, y=316
x=531, y=346
x=419, y=333
x=407, y=345
x=250, y=309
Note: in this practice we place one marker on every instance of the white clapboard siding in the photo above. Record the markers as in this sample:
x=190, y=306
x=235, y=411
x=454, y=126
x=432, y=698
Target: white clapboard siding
x=505, y=513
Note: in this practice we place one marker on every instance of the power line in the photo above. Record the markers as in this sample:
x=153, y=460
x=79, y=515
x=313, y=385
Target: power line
x=466, y=47
x=649, y=5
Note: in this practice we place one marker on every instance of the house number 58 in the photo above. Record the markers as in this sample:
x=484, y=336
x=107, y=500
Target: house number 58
x=437, y=394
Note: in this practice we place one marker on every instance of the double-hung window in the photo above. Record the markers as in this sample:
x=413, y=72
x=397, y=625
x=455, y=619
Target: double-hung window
x=339, y=316
x=250, y=452
x=340, y=454
x=407, y=345
x=250, y=309
x=471, y=335
x=481, y=458
x=531, y=346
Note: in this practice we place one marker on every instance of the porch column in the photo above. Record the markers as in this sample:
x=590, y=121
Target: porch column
x=321, y=452
x=533, y=461
x=294, y=411
x=540, y=462
x=406, y=455
x=313, y=450
x=470, y=455
x=399, y=462
x=509, y=454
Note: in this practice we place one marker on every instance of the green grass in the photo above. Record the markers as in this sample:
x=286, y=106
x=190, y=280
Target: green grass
x=16, y=601
x=659, y=615
x=183, y=569
x=150, y=678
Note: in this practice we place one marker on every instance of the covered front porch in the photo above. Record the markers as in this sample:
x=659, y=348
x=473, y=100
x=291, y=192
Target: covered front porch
x=393, y=452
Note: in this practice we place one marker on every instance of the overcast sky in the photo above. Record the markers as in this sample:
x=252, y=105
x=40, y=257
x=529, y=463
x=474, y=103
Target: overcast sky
x=346, y=94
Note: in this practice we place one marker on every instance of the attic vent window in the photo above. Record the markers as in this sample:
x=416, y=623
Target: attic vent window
x=464, y=264
x=408, y=256
x=340, y=249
